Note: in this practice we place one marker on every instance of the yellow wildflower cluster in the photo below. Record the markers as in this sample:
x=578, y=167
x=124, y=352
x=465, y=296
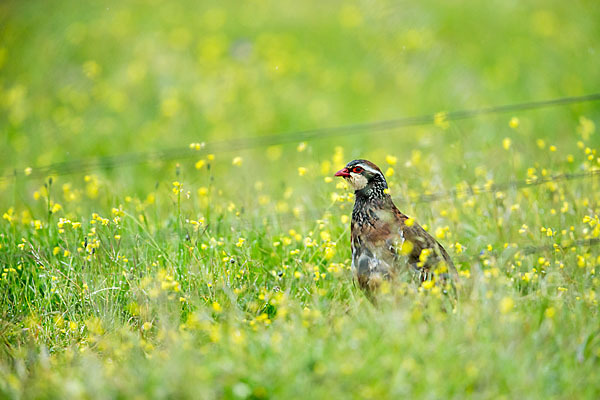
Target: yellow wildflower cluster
x=197, y=146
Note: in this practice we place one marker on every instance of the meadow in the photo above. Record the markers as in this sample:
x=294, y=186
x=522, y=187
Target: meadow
x=169, y=231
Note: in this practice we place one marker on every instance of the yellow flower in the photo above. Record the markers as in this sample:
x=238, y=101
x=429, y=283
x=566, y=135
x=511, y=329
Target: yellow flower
x=428, y=284
x=514, y=123
x=240, y=242
x=586, y=127
x=391, y=159
x=458, y=248
x=56, y=208
x=301, y=147
x=199, y=164
x=302, y=171
x=389, y=172
x=506, y=305
x=177, y=187
x=506, y=143
x=197, y=146
x=440, y=120
x=440, y=232
x=237, y=161
x=541, y=260
x=406, y=248
x=329, y=252
x=216, y=306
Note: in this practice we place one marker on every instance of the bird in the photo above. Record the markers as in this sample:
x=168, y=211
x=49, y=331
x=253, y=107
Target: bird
x=384, y=241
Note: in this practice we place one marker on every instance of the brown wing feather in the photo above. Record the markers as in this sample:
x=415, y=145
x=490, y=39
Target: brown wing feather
x=380, y=237
x=422, y=240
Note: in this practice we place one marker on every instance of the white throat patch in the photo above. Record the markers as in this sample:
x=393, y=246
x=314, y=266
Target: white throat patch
x=357, y=181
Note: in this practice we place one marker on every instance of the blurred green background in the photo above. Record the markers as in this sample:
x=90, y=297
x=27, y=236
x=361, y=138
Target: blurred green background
x=80, y=79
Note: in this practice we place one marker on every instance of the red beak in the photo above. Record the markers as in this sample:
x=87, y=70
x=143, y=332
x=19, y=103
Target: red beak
x=343, y=172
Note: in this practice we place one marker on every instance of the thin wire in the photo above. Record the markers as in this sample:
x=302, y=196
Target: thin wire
x=516, y=185
x=576, y=243
x=529, y=250
x=232, y=145
x=455, y=193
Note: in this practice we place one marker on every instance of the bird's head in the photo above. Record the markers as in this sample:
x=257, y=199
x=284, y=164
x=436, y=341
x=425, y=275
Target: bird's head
x=363, y=175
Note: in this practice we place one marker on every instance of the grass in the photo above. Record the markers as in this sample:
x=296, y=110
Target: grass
x=228, y=274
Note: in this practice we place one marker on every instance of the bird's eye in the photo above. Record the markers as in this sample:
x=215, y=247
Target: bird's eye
x=357, y=170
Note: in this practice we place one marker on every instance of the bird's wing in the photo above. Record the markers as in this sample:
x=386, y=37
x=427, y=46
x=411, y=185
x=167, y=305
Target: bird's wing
x=388, y=237
x=424, y=252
